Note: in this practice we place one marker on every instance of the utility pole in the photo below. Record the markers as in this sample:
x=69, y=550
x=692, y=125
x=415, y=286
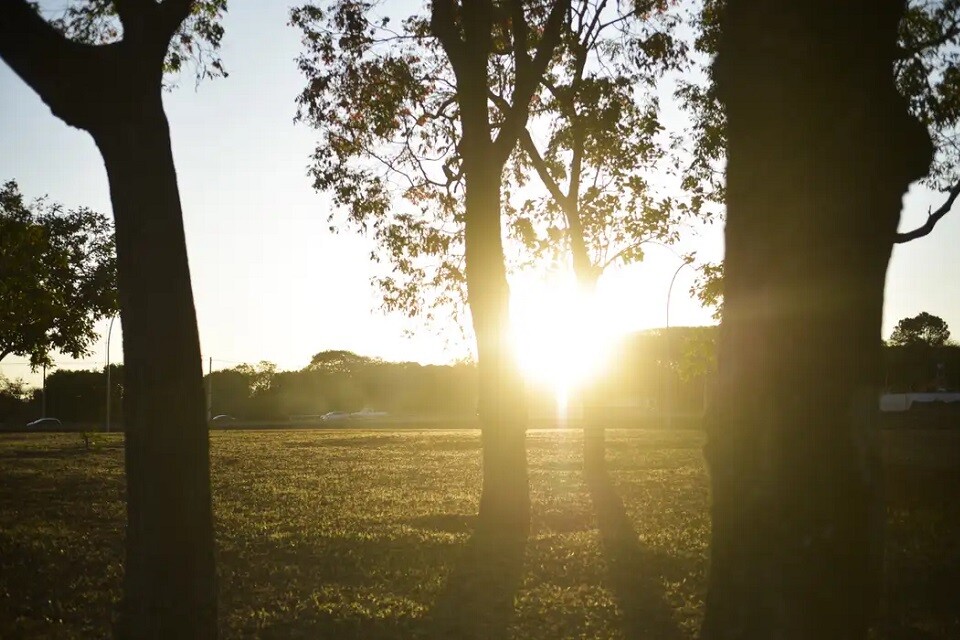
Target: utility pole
x=210, y=390
x=109, y=333
x=43, y=396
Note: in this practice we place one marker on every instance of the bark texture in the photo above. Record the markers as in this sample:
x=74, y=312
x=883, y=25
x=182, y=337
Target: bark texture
x=820, y=150
x=505, y=498
x=114, y=93
x=170, y=575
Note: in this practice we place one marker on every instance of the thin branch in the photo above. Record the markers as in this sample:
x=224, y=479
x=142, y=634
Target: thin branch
x=948, y=35
x=536, y=159
x=933, y=217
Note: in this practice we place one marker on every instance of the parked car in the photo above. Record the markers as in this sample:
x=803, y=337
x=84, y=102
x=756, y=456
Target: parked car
x=45, y=423
x=334, y=416
x=223, y=418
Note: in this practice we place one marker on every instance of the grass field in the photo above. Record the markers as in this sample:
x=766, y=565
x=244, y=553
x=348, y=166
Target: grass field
x=357, y=534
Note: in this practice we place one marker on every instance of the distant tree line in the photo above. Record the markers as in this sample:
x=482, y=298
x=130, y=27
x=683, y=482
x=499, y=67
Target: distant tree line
x=672, y=368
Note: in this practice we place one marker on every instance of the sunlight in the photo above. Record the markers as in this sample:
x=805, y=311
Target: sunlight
x=562, y=336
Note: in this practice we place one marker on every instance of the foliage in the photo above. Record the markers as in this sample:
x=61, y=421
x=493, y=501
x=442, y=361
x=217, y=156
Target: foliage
x=594, y=139
x=340, y=361
x=698, y=353
x=195, y=45
x=923, y=329
x=926, y=73
x=59, y=277
x=14, y=398
x=260, y=376
x=383, y=95
x=708, y=287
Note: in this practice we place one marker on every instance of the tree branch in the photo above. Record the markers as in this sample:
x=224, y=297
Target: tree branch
x=52, y=65
x=949, y=34
x=442, y=24
x=133, y=16
x=172, y=15
x=526, y=84
x=933, y=218
x=536, y=159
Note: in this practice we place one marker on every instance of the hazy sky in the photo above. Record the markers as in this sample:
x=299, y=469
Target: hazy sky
x=270, y=281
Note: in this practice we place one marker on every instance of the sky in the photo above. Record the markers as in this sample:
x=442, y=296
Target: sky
x=271, y=282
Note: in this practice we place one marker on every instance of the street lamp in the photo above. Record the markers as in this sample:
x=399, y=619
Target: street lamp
x=109, y=333
x=687, y=260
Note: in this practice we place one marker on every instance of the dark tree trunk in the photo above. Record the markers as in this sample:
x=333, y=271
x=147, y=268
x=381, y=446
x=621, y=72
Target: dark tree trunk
x=820, y=151
x=505, y=497
x=169, y=579
x=505, y=501
x=114, y=93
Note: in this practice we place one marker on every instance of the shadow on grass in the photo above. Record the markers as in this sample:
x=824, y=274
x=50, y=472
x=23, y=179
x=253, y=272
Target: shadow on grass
x=922, y=555
x=349, y=588
x=633, y=571
x=66, y=453
x=478, y=599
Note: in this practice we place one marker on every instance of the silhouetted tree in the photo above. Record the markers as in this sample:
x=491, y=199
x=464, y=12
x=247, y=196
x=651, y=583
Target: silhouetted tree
x=339, y=361
x=59, y=277
x=14, y=398
x=927, y=75
x=101, y=68
x=820, y=149
x=416, y=104
x=922, y=329
x=598, y=107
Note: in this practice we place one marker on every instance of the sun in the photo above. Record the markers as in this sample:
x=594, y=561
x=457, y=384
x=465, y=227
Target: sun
x=562, y=335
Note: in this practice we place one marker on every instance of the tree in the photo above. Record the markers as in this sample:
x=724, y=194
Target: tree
x=414, y=106
x=598, y=106
x=927, y=75
x=922, y=329
x=59, y=277
x=100, y=68
x=339, y=361
x=14, y=399
x=792, y=437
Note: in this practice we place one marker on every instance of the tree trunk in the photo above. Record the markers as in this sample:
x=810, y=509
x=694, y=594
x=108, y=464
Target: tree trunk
x=505, y=501
x=169, y=580
x=588, y=396
x=820, y=151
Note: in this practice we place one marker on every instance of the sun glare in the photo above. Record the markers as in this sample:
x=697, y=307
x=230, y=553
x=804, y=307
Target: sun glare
x=562, y=336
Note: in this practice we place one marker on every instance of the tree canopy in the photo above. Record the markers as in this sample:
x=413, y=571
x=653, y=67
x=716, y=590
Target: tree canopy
x=382, y=95
x=595, y=141
x=923, y=329
x=926, y=72
x=59, y=277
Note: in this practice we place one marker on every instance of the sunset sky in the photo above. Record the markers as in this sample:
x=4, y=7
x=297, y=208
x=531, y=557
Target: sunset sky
x=270, y=281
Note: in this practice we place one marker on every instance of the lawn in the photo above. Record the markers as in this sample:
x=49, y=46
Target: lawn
x=367, y=534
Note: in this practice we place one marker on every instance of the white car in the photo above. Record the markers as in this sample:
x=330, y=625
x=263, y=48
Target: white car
x=44, y=423
x=335, y=416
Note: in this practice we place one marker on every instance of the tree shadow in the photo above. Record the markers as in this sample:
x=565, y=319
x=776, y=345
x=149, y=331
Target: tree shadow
x=632, y=569
x=478, y=599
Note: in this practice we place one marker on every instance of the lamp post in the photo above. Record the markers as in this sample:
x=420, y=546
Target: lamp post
x=109, y=333
x=686, y=262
